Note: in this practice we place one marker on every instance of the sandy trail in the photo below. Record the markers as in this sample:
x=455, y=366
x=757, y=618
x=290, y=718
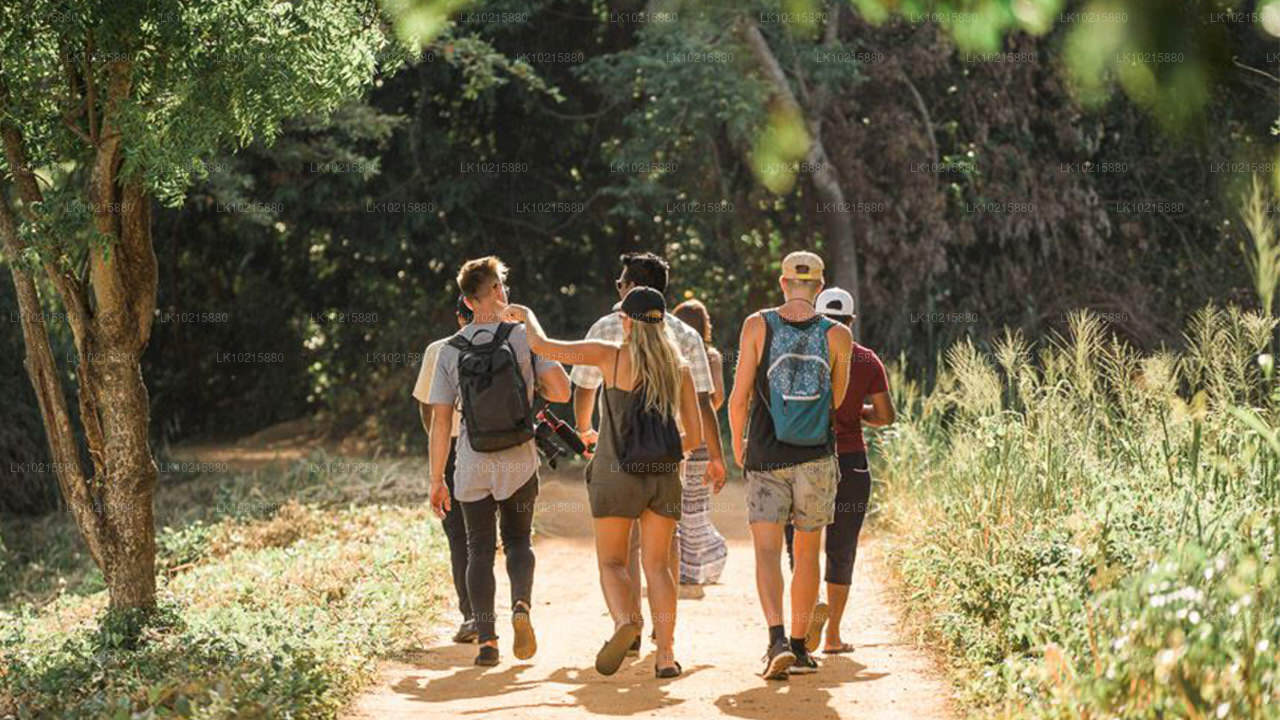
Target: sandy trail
x=719, y=640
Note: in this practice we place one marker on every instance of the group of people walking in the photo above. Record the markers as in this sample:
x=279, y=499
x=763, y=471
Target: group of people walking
x=802, y=390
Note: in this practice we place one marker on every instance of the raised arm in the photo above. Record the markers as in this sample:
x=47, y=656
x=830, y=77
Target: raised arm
x=574, y=352
x=744, y=379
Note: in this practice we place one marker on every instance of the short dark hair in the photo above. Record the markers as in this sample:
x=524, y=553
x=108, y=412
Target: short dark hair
x=646, y=270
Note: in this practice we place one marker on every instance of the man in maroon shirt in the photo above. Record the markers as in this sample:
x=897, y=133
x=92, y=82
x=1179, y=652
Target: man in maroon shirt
x=866, y=401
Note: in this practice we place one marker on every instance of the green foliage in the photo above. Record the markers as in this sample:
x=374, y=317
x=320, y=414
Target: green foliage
x=1263, y=255
x=1164, y=58
x=269, y=610
x=197, y=78
x=1126, y=568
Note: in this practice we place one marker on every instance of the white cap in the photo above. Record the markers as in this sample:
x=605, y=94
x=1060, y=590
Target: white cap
x=834, y=301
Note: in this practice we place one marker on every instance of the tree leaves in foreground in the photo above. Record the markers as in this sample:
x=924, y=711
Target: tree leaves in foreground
x=105, y=109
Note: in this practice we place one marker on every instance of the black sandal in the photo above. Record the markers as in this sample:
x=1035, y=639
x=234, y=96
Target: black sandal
x=668, y=672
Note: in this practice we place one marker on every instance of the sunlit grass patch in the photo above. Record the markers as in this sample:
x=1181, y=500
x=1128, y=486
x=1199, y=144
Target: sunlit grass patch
x=279, y=614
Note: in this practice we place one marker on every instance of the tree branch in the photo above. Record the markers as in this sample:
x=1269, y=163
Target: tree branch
x=826, y=182
x=42, y=371
x=90, y=87
x=924, y=114
x=70, y=289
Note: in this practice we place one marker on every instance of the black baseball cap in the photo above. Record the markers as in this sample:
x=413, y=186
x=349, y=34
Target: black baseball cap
x=645, y=304
x=463, y=310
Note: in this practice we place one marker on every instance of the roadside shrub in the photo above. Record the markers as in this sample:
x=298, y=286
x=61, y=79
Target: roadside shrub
x=1095, y=534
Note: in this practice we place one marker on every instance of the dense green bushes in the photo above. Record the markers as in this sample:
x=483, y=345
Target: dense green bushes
x=1095, y=534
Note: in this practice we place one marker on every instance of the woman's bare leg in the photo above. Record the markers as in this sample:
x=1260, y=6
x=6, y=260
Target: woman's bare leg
x=656, y=536
x=613, y=535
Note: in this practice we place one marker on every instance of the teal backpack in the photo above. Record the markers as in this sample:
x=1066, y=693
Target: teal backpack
x=798, y=371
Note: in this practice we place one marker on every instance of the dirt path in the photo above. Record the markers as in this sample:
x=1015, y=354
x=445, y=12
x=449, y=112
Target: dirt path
x=719, y=641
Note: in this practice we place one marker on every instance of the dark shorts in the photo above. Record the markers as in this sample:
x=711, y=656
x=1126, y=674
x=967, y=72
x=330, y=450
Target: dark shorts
x=616, y=494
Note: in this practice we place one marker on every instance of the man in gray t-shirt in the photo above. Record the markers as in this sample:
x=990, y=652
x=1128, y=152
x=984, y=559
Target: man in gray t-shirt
x=500, y=473
x=491, y=485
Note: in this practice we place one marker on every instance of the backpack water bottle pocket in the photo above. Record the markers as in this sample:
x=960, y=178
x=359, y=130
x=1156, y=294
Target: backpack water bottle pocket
x=801, y=419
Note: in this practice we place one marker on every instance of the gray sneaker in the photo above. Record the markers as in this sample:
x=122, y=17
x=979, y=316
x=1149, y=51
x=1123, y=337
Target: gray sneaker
x=777, y=660
x=467, y=633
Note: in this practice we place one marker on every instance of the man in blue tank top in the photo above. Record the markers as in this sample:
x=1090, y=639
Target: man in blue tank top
x=793, y=370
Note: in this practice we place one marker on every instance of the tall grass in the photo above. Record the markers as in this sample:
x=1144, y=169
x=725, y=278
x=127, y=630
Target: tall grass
x=1092, y=532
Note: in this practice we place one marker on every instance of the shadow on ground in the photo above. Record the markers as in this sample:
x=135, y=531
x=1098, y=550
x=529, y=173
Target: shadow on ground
x=624, y=694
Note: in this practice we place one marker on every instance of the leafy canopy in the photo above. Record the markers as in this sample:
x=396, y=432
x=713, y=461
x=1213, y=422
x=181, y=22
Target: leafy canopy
x=200, y=77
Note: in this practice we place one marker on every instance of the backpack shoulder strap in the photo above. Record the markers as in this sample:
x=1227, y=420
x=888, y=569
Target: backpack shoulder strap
x=503, y=334
x=762, y=368
x=771, y=318
x=503, y=331
x=459, y=342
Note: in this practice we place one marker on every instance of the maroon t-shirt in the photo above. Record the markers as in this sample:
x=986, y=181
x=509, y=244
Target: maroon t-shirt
x=866, y=377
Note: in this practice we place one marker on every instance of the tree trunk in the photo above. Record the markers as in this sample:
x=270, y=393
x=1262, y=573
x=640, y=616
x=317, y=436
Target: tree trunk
x=127, y=485
x=113, y=508
x=112, y=389
x=830, y=199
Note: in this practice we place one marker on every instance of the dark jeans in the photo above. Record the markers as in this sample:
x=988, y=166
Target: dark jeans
x=516, y=521
x=853, y=494
x=455, y=531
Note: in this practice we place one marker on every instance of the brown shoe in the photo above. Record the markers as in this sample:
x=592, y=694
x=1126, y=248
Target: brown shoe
x=610, y=657
x=817, y=621
x=526, y=643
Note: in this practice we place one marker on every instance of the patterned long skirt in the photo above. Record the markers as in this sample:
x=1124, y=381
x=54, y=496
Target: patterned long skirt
x=702, y=548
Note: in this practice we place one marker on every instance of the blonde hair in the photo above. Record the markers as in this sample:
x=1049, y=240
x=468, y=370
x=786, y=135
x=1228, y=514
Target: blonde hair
x=657, y=366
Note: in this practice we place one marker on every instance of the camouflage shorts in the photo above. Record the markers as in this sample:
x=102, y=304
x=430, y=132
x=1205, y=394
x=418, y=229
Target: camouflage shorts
x=803, y=494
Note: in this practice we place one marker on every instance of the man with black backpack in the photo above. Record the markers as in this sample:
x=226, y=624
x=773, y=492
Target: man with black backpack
x=793, y=370
x=488, y=368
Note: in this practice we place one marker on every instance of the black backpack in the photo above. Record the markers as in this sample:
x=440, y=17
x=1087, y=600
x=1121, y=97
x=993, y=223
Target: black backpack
x=495, y=396
x=650, y=440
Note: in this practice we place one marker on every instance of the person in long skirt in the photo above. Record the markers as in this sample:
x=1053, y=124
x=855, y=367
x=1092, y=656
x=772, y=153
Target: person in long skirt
x=702, y=548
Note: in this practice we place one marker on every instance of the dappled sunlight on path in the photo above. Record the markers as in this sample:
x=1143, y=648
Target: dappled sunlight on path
x=719, y=640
